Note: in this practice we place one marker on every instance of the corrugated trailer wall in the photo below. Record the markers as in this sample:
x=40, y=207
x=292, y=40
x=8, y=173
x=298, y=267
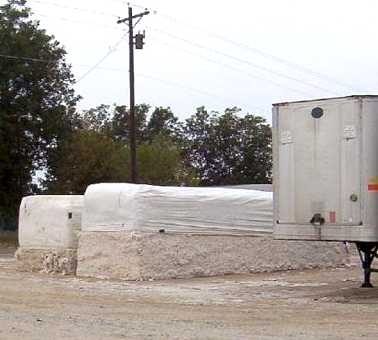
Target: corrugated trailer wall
x=326, y=169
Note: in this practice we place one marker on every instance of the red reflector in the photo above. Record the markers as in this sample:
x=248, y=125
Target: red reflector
x=332, y=216
x=373, y=187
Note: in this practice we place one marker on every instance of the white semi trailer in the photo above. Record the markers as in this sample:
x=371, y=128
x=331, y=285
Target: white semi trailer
x=325, y=156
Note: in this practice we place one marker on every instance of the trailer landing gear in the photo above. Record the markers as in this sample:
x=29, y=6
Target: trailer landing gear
x=367, y=251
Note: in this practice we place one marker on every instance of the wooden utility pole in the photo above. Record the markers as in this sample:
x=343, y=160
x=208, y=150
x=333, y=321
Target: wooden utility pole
x=132, y=127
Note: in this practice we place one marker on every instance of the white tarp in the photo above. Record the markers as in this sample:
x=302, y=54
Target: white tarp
x=50, y=221
x=120, y=206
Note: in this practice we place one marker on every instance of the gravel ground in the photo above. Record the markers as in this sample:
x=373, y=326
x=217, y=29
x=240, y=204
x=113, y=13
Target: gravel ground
x=311, y=304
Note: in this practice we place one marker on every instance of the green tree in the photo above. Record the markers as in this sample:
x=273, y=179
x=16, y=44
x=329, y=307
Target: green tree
x=98, y=151
x=256, y=147
x=88, y=157
x=120, y=122
x=228, y=149
x=198, y=131
x=160, y=163
x=163, y=122
x=98, y=119
x=37, y=103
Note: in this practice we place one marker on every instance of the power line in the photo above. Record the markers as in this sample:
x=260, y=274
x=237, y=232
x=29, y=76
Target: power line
x=213, y=34
x=91, y=67
x=51, y=61
x=75, y=21
x=254, y=50
x=111, y=50
x=244, y=61
x=24, y=58
x=224, y=65
x=143, y=75
x=54, y=4
x=208, y=59
x=97, y=65
x=251, y=75
x=139, y=6
x=277, y=73
x=189, y=88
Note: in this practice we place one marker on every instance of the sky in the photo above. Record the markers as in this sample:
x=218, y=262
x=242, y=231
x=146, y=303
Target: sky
x=219, y=54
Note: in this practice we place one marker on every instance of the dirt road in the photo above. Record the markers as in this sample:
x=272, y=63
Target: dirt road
x=314, y=304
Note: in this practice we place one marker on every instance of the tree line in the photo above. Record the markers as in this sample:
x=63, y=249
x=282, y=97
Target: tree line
x=44, y=136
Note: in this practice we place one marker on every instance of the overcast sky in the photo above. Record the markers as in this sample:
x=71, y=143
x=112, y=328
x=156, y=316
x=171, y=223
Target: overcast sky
x=219, y=54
